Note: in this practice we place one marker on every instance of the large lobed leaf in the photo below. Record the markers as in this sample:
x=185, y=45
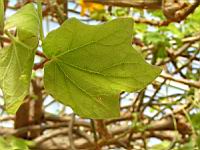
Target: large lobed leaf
x=16, y=60
x=90, y=65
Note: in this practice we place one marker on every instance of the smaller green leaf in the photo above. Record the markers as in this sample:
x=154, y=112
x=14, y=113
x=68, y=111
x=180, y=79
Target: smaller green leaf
x=161, y=51
x=1, y=15
x=4, y=144
x=160, y=43
x=13, y=143
x=140, y=27
x=99, y=15
x=16, y=63
x=192, y=22
x=16, y=60
x=198, y=141
x=195, y=118
x=162, y=146
x=156, y=38
x=119, y=11
x=18, y=144
x=26, y=21
x=172, y=29
x=188, y=146
x=158, y=13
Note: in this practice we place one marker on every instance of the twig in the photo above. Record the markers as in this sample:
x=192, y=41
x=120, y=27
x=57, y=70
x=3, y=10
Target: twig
x=192, y=83
x=45, y=137
x=94, y=133
x=70, y=132
x=39, y=8
x=150, y=4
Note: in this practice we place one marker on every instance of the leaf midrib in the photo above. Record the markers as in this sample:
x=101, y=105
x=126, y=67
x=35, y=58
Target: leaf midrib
x=92, y=72
x=82, y=90
x=89, y=43
x=99, y=73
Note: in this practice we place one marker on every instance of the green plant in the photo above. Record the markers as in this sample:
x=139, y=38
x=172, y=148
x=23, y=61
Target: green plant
x=91, y=64
x=106, y=65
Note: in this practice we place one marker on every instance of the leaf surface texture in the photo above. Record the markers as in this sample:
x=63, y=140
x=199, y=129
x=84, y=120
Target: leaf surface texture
x=91, y=64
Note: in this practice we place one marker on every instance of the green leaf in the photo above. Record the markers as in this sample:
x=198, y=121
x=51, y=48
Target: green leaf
x=157, y=13
x=156, y=38
x=192, y=22
x=16, y=61
x=18, y=144
x=188, y=146
x=90, y=65
x=195, y=118
x=160, y=42
x=198, y=141
x=4, y=144
x=119, y=11
x=26, y=21
x=172, y=29
x=1, y=15
x=162, y=146
x=140, y=28
x=13, y=143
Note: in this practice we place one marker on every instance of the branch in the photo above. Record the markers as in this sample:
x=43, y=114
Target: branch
x=142, y=4
x=50, y=135
x=70, y=132
x=188, y=82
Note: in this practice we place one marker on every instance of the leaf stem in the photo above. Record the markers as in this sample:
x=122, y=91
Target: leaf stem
x=10, y=35
x=14, y=39
x=94, y=130
x=39, y=9
x=1, y=17
x=190, y=121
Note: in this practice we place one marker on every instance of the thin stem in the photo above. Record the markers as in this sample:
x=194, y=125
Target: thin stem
x=39, y=6
x=70, y=133
x=10, y=35
x=66, y=8
x=94, y=130
x=190, y=121
x=14, y=39
x=1, y=17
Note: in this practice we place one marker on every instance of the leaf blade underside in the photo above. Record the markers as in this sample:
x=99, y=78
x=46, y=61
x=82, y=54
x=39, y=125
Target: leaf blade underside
x=16, y=60
x=91, y=65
